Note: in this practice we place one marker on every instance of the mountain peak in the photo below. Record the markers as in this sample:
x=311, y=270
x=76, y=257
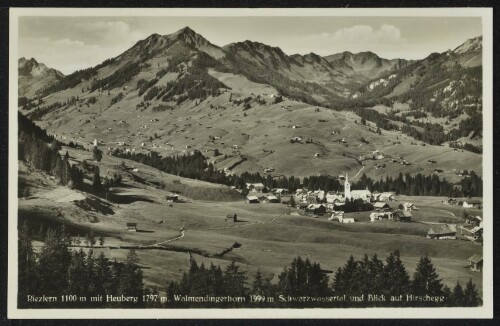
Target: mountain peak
x=185, y=31
x=471, y=45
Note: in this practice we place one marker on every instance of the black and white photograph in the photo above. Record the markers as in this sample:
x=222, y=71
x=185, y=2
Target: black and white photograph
x=306, y=163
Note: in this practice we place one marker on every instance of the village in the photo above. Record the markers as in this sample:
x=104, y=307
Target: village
x=371, y=207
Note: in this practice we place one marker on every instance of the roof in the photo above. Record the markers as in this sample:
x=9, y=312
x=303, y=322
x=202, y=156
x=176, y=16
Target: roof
x=272, y=197
x=361, y=192
x=252, y=198
x=403, y=214
x=388, y=193
x=380, y=204
x=476, y=258
x=315, y=206
x=442, y=229
x=472, y=201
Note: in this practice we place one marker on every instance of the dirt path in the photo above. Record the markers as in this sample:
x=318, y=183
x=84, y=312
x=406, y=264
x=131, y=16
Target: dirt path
x=358, y=173
x=173, y=239
x=442, y=210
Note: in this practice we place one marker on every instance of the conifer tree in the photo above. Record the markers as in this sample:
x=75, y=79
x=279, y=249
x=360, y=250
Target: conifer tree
x=471, y=298
x=395, y=279
x=426, y=280
x=234, y=280
x=54, y=262
x=457, y=298
x=96, y=180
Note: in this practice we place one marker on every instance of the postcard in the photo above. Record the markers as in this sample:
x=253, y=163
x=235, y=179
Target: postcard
x=271, y=163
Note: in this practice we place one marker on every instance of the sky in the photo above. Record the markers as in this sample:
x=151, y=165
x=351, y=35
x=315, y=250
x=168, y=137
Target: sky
x=72, y=43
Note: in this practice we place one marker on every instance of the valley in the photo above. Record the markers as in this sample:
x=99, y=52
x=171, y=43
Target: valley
x=278, y=136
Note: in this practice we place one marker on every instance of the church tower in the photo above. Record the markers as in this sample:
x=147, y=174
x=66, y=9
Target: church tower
x=347, y=187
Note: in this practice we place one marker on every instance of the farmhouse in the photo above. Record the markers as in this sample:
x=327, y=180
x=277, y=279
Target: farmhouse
x=131, y=227
x=256, y=187
x=409, y=207
x=476, y=262
x=232, y=216
x=451, y=201
x=332, y=197
x=472, y=203
x=474, y=220
x=387, y=196
x=271, y=199
x=172, y=198
x=252, y=200
x=402, y=216
x=365, y=195
x=381, y=206
x=318, y=209
x=442, y=231
x=343, y=219
x=336, y=216
x=280, y=191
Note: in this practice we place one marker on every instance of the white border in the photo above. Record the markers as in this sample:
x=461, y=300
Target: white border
x=486, y=311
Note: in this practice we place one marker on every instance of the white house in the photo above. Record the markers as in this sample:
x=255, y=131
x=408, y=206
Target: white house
x=410, y=207
x=365, y=195
x=387, y=196
x=343, y=219
x=472, y=203
x=332, y=197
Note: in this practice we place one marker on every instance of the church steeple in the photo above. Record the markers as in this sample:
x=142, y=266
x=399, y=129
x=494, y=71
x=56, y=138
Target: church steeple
x=347, y=187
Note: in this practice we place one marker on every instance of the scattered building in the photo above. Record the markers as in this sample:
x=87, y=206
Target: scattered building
x=232, y=216
x=402, y=216
x=387, y=196
x=472, y=203
x=281, y=191
x=343, y=219
x=131, y=227
x=474, y=220
x=364, y=195
x=442, y=231
x=317, y=209
x=252, y=200
x=381, y=206
x=476, y=262
x=409, y=207
x=172, y=198
x=271, y=199
x=259, y=187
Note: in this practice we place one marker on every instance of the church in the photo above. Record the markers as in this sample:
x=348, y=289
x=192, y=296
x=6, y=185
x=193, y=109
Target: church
x=365, y=195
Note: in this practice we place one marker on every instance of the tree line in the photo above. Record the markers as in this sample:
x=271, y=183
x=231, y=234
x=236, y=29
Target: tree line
x=34, y=150
x=422, y=185
x=58, y=269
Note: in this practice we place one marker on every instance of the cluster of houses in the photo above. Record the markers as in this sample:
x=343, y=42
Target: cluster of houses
x=466, y=203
